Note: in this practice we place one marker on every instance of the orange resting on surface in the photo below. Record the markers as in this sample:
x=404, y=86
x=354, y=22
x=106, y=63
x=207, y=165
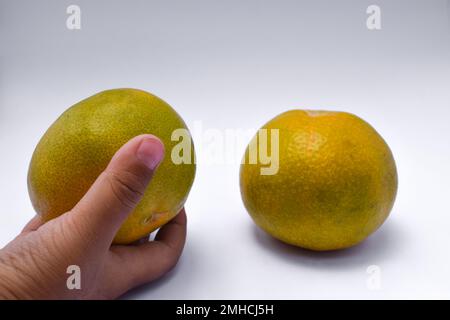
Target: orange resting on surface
x=336, y=182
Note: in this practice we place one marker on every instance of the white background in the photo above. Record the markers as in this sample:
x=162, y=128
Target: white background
x=237, y=64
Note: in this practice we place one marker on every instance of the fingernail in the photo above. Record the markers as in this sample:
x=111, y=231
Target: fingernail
x=150, y=152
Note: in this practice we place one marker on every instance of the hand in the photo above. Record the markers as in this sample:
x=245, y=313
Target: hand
x=34, y=265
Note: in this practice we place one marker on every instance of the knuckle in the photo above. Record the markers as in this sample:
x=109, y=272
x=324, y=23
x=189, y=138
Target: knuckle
x=170, y=258
x=126, y=187
x=72, y=232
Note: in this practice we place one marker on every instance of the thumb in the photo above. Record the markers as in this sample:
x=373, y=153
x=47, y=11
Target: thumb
x=118, y=189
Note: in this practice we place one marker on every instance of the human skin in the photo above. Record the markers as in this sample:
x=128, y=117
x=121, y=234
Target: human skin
x=34, y=264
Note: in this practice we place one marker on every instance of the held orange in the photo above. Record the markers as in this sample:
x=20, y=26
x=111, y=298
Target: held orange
x=80, y=143
x=335, y=185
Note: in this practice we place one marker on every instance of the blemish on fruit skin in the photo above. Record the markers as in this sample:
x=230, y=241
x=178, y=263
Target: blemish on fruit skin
x=155, y=217
x=146, y=220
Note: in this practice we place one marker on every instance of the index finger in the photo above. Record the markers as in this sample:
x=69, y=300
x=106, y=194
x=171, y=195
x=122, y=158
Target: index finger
x=135, y=265
x=173, y=234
